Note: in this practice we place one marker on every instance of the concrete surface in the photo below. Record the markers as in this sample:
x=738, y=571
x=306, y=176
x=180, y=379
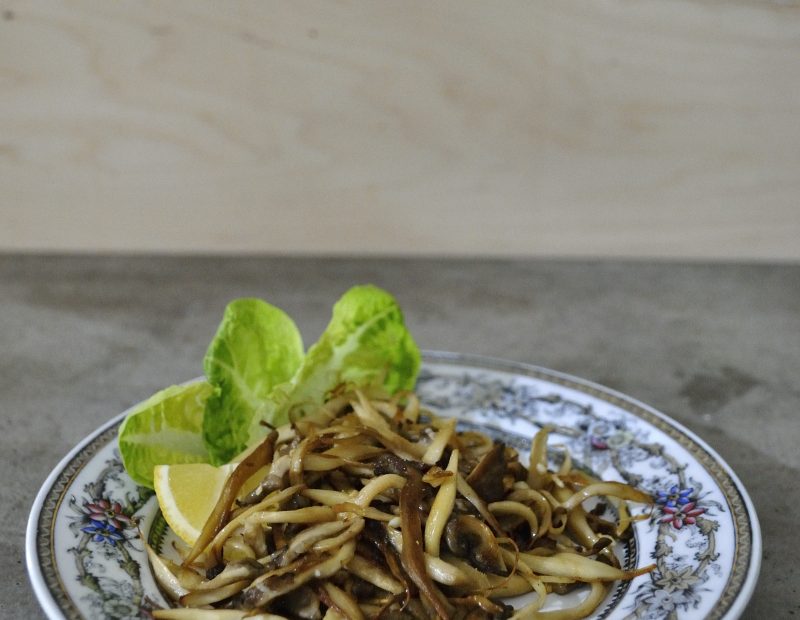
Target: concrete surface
x=715, y=346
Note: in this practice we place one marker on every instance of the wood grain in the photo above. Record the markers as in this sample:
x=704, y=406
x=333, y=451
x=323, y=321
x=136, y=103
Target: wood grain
x=611, y=128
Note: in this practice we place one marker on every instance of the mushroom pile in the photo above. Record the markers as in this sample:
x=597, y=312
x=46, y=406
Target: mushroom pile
x=373, y=507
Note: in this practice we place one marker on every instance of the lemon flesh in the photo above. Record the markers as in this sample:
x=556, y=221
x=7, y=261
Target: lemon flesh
x=187, y=494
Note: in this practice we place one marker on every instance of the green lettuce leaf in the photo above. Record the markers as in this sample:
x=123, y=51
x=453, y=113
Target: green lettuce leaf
x=256, y=348
x=256, y=371
x=365, y=344
x=164, y=429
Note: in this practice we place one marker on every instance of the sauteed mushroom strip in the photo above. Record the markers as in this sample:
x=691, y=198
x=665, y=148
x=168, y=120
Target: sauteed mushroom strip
x=412, y=556
x=442, y=508
x=260, y=457
x=374, y=507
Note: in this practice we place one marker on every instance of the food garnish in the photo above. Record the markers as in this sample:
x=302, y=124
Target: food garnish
x=338, y=495
x=257, y=374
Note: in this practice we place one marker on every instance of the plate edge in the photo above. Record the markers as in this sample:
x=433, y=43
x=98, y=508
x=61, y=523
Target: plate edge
x=32, y=560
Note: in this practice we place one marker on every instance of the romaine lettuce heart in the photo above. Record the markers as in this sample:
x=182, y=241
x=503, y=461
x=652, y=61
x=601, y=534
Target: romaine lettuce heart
x=166, y=428
x=256, y=347
x=365, y=344
x=256, y=372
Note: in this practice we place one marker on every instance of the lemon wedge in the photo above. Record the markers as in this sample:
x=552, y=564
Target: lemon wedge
x=187, y=493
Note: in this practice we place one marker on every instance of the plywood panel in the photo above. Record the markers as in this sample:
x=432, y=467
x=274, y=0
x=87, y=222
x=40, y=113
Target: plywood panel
x=564, y=127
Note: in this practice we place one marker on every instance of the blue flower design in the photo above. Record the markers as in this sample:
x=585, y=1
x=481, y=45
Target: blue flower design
x=674, y=497
x=103, y=532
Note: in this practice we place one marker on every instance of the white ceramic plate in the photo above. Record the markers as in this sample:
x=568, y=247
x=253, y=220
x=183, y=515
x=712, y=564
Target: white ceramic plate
x=85, y=559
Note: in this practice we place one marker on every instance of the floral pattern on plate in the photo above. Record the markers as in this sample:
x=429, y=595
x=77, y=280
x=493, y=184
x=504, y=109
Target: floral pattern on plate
x=86, y=559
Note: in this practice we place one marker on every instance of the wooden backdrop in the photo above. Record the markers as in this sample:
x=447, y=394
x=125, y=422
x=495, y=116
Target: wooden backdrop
x=662, y=128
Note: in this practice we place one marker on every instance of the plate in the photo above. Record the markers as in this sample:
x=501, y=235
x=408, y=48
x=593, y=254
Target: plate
x=85, y=558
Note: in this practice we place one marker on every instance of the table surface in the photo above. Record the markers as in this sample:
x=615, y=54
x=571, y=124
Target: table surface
x=715, y=346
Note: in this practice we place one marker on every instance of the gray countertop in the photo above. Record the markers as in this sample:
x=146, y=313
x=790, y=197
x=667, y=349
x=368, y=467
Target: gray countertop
x=716, y=347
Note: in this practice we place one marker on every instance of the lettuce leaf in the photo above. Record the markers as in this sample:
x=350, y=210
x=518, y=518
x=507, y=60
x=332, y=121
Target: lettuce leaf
x=256, y=371
x=256, y=348
x=166, y=428
x=365, y=344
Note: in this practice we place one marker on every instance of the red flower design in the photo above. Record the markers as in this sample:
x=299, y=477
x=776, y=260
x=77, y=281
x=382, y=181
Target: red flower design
x=681, y=514
x=104, y=511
